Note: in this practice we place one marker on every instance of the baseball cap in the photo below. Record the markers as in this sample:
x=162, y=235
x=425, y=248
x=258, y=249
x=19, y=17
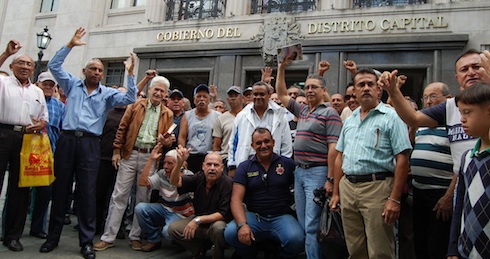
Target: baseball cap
x=201, y=87
x=235, y=89
x=177, y=92
x=46, y=76
x=247, y=89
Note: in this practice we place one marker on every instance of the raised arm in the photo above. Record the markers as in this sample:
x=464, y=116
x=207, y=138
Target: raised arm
x=323, y=67
x=12, y=47
x=182, y=156
x=351, y=66
x=149, y=75
x=485, y=66
x=267, y=75
x=281, y=89
x=76, y=40
x=155, y=155
x=403, y=108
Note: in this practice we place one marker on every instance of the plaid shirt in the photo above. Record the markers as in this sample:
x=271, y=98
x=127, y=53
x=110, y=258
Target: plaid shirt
x=56, y=110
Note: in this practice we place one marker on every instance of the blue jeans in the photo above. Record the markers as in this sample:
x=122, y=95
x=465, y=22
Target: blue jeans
x=284, y=229
x=305, y=181
x=151, y=216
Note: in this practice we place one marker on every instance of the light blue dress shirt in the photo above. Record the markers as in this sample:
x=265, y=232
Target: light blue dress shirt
x=370, y=146
x=86, y=112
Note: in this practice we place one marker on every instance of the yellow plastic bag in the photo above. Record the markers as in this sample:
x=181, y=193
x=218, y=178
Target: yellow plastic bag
x=36, y=161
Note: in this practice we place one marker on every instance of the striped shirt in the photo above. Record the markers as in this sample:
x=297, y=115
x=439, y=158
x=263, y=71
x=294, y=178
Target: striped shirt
x=315, y=130
x=370, y=146
x=169, y=197
x=147, y=136
x=431, y=161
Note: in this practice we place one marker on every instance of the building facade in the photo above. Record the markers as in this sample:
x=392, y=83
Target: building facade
x=227, y=42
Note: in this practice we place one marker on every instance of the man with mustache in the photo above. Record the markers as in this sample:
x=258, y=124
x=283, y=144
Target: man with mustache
x=212, y=193
x=264, y=175
x=22, y=110
x=265, y=113
x=369, y=187
x=196, y=128
x=78, y=148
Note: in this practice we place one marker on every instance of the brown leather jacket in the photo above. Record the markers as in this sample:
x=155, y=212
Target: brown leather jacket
x=131, y=122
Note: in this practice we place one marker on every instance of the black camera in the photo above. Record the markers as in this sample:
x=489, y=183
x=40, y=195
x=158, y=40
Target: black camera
x=320, y=196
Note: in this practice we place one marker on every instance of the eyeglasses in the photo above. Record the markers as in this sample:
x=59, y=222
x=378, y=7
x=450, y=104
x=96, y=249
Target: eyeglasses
x=348, y=96
x=264, y=179
x=312, y=87
x=24, y=63
x=432, y=97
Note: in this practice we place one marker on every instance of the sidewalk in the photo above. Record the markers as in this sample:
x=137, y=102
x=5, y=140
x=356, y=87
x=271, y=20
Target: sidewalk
x=68, y=246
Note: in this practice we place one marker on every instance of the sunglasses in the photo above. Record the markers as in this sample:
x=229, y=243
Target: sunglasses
x=264, y=179
x=348, y=96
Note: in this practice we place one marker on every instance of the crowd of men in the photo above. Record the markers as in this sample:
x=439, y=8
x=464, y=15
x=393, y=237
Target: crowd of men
x=225, y=177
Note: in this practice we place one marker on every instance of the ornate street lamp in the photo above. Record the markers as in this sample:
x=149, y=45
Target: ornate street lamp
x=43, y=40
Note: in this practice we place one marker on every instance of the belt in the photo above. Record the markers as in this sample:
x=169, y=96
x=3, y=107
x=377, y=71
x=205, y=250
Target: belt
x=79, y=134
x=143, y=150
x=310, y=166
x=16, y=128
x=368, y=177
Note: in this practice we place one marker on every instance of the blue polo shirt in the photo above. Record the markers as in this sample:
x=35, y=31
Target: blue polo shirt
x=87, y=112
x=267, y=196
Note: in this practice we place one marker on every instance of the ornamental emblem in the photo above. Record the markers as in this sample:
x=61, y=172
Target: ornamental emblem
x=279, y=169
x=276, y=32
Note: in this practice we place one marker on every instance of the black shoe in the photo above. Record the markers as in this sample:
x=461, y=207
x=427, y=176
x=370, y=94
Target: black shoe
x=67, y=220
x=40, y=235
x=88, y=251
x=47, y=247
x=14, y=245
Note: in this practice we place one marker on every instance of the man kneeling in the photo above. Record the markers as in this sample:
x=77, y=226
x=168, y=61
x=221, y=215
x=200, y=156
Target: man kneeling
x=170, y=205
x=263, y=182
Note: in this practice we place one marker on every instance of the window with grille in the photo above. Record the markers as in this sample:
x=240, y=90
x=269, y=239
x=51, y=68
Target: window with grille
x=277, y=6
x=49, y=6
x=195, y=9
x=115, y=73
x=376, y=3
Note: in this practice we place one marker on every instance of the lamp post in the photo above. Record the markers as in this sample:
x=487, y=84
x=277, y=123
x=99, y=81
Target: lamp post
x=43, y=40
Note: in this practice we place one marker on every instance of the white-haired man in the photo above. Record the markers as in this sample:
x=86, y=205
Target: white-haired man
x=141, y=125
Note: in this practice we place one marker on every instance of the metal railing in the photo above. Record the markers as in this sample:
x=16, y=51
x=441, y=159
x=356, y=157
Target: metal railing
x=376, y=3
x=276, y=6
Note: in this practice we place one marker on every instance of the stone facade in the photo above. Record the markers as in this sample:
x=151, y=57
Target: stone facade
x=421, y=40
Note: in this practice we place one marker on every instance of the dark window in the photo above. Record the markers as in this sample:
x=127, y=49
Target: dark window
x=49, y=6
x=115, y=73
x=195, y=9
x=277, y=6
x=375, y=3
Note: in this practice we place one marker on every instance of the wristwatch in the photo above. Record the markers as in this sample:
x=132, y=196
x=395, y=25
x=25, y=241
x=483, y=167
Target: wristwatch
x=330, y=179
x=240, y=225
x=197, y=220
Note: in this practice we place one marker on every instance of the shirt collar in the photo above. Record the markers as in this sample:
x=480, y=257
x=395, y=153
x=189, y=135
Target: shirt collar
x=476, y=150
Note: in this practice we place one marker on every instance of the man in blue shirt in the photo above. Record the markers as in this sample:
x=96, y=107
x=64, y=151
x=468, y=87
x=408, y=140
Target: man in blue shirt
x=42, y=195
x=78, y=148
x=269, y=175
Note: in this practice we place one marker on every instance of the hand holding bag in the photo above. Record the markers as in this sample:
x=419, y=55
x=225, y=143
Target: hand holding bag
x=330, y=234
x=36, y=161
